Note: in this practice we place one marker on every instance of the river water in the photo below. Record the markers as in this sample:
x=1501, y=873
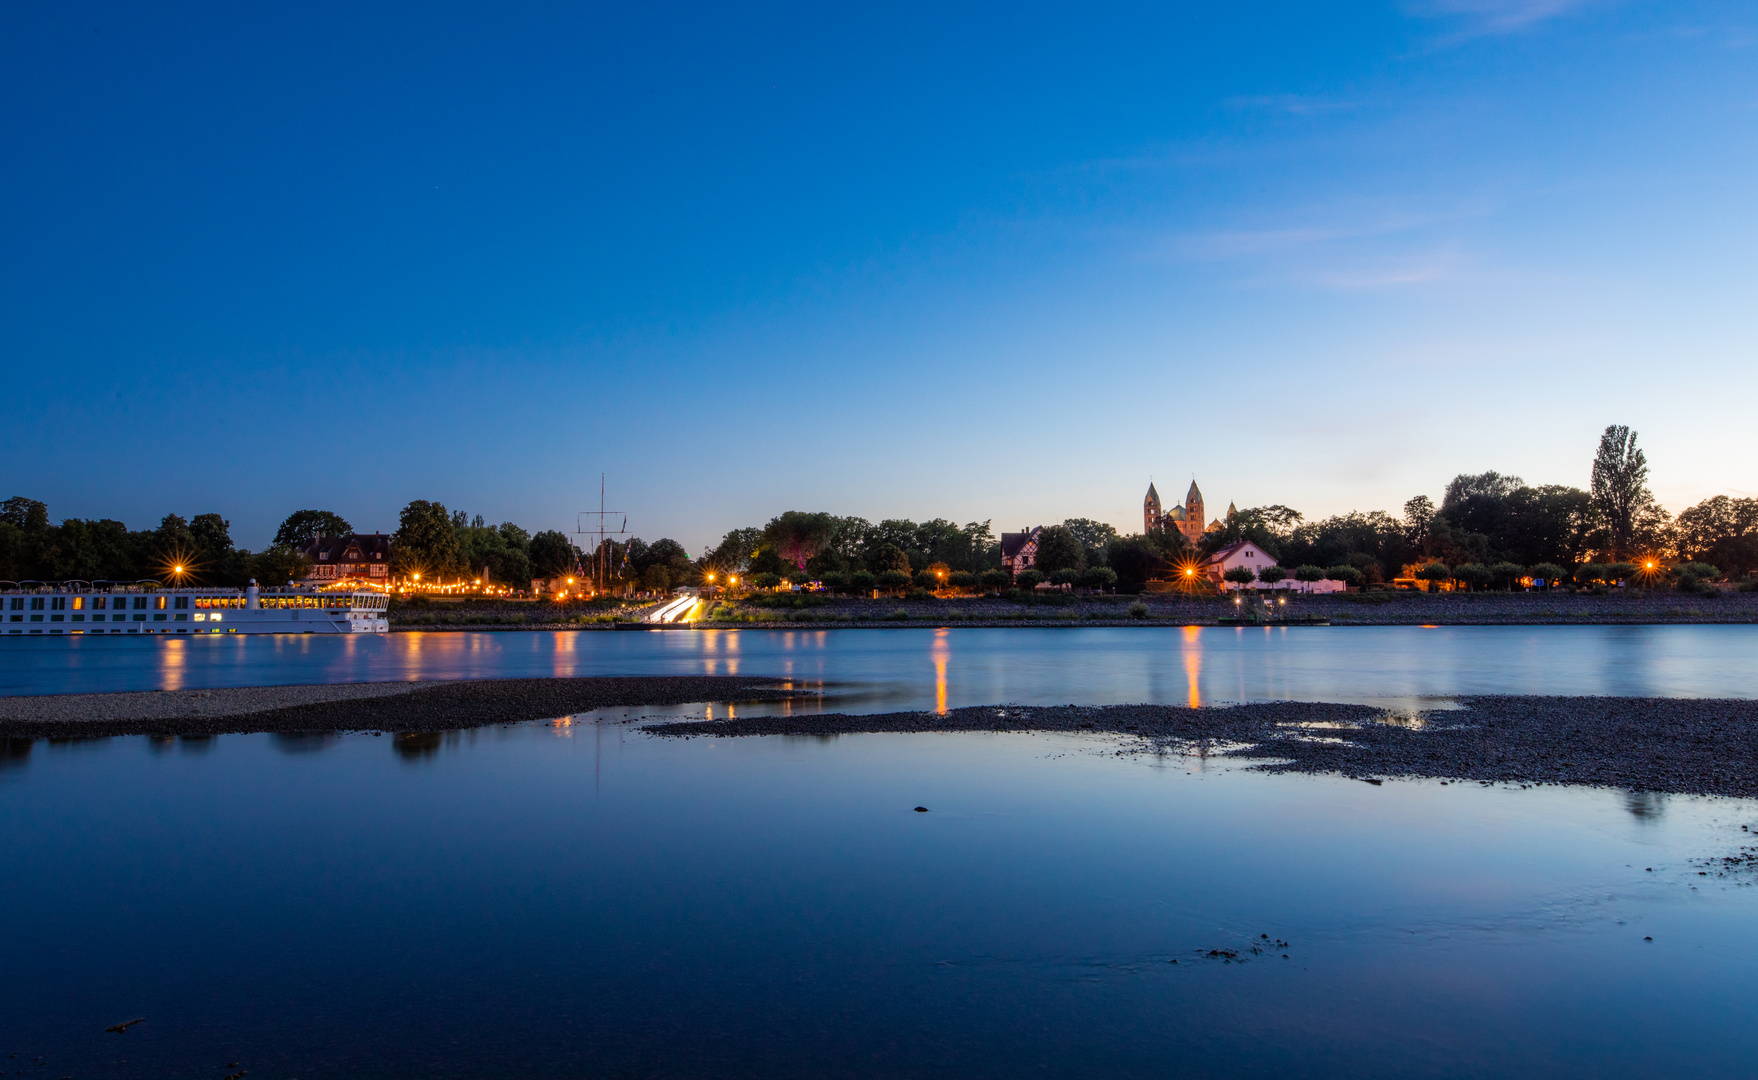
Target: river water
x=576, y=898
x=905, y=669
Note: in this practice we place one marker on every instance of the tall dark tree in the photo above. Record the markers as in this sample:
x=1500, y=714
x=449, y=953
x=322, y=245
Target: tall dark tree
x=303, y=527
x=28, y=515
x=552, y=554
x=1059, y=549
x=797, y=535
x=1136, y=560
x=426, y=541
x=1722, y=531
x=1418, y=514
x=1620, y=486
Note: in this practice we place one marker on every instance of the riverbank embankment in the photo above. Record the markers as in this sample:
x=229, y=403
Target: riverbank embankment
x=403, y=706
x=1671, y=745
x=1372, y=608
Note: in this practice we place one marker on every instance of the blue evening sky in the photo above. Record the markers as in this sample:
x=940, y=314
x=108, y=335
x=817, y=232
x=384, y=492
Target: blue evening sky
x=971, y=262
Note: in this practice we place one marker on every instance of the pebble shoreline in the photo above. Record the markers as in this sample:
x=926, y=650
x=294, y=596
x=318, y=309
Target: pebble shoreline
x=1671, y=745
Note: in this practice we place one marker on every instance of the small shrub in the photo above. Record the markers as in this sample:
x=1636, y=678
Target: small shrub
x=1549, y=573
x=1348, y=575
x=1138, y=610
x=1098, y=577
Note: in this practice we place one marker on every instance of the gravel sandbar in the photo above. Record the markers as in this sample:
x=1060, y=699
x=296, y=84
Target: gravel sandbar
x=1682, y=746
x=409, y=706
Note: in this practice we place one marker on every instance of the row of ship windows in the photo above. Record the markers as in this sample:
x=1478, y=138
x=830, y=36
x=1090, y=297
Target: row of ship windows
x=158, y=603
x=98, y=616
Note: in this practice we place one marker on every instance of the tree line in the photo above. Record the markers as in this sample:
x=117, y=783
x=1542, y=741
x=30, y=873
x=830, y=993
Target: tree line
x=1487, y=528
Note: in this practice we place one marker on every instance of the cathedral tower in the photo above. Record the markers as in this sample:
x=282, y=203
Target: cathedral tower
x=1193, y=505
x=1150, y=510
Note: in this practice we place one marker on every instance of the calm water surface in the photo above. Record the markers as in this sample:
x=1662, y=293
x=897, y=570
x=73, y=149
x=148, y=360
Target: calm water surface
x=576, y=898
x=584, y=900
x=889, y=669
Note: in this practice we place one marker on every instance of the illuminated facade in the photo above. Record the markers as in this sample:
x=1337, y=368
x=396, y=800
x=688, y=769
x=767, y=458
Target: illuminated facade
x=355, y=557
x=93, y=608
x=1187, y=519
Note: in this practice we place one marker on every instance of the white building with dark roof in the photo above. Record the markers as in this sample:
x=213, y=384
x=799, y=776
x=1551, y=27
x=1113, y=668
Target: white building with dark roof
x=355, y=557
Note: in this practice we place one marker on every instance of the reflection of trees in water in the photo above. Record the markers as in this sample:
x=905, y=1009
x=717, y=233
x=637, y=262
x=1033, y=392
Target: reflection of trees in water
x=1645, y=805
x=15, y=753
x=416, y=745
x=302, y=742
x=195, y=744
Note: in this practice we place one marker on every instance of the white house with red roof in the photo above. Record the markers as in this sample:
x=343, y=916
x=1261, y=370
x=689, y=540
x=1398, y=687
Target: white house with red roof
x=1253, y=558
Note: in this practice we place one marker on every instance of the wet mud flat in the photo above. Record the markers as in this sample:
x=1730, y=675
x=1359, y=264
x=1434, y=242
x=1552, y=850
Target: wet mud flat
x=407, y=706
x=1672, y=745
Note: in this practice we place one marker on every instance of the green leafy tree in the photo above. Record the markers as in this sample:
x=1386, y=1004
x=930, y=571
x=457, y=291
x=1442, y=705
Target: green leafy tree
x=892, y=579
x=1098, y=578
x=797, y=536
x=863, y=581
x=890, y=557
x=1309, y=573
x=1620, y=486
x=735, y=551
x=1240, y=575
x=1506, y=573
x=1059, y=549
x=1270, y=575
x=1549, y=573
x=27, y=515
x=995, y=579
x=1418, y=515
x=426, y=540
x=1095, y=538
x=1137, y=560
x=1348, y=575
x=1474, y=575
x=303, y=527
x=1068, y=576
x=552, y=554
x=1029, y=579
x=279, y=565
x=1723, y=531
x=1435, y=573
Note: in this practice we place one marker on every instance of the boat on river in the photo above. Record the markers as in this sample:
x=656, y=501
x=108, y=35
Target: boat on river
x=91, y=608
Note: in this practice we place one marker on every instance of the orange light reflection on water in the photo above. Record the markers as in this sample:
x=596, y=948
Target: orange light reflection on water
x=173, y=663
x=1193, y=663
x=941, y=652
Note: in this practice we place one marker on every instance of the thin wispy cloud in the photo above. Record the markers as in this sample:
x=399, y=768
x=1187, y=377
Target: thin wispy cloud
x=1291, y=104
x=1480, y=17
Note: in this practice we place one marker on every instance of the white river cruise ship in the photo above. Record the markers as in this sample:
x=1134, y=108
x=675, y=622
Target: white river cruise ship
x=78, y=607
